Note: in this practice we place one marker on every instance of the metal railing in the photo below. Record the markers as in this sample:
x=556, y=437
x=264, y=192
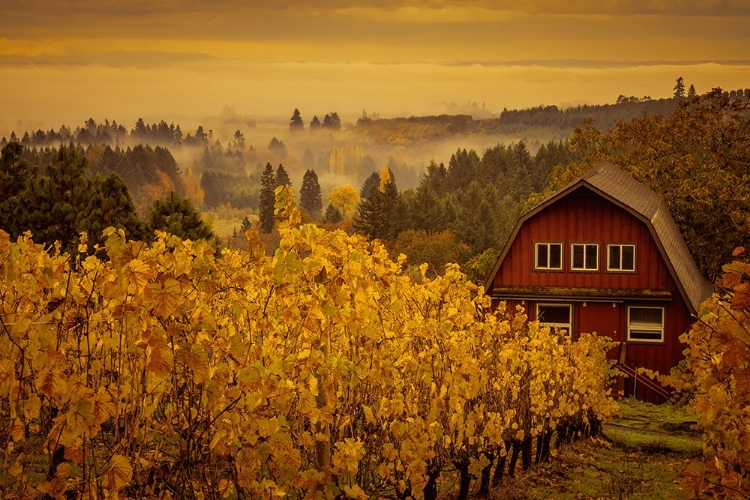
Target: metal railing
x=645, y=381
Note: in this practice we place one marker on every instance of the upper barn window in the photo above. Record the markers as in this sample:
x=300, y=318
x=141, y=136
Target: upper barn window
x=548, y=256
x=620, y=257
x=584, y=257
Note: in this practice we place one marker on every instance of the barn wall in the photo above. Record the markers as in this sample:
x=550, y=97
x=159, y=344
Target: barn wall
x=585, y=217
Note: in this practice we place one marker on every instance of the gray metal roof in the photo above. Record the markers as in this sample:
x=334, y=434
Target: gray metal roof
x=612, y=183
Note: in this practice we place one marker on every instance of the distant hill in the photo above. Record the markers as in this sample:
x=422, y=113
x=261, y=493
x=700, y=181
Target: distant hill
x=549, y=122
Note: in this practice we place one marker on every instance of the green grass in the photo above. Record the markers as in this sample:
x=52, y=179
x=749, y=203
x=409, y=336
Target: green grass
x=597, y=469
x=639, y=456
x=663, y=418
x=653, y=442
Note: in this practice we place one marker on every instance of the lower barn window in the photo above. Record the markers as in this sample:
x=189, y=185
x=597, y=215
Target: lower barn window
x=646, y=324
x=555, y=316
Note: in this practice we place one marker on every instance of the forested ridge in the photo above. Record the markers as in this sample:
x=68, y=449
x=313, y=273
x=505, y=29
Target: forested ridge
x=460, y=211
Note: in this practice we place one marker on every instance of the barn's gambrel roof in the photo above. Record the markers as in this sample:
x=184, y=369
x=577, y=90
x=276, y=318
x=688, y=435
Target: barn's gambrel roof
x=613, y=184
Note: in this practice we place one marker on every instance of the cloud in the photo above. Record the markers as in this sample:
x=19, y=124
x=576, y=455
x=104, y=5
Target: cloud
x=115, y=58
x=143, y=8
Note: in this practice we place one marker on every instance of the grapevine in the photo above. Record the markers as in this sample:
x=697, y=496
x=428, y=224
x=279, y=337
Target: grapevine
x=171, y=371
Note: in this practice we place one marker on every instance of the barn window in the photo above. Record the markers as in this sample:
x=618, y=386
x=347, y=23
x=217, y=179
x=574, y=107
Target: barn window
x=584, y=257
x=554, y=316
x=620, y=257
x=646, y=324
x=548, y=256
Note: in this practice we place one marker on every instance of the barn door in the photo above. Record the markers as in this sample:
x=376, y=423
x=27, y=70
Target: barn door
x=604, y=319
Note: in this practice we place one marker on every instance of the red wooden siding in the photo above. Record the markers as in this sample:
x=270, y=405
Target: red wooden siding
x=585, y=217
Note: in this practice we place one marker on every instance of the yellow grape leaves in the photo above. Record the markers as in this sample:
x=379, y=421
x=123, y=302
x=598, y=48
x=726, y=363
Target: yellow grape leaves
x=718, y=374
x=285, y=375
x=118, y=474
x=167, y=297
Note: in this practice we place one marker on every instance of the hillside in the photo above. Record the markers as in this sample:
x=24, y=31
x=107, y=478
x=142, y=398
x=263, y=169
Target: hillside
x=542, y=123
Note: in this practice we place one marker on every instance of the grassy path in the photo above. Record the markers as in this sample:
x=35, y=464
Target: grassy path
x=639, y=457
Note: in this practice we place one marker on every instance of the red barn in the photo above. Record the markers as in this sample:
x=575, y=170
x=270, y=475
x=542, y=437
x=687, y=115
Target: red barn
x=604, y=255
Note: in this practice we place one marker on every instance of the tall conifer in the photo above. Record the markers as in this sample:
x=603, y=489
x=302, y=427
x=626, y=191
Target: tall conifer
x=267, y=199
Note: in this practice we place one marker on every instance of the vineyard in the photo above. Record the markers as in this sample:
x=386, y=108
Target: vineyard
x=718, y=357
x=171, y=371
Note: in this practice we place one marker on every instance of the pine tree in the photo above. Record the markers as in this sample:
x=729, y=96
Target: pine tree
x=267, y=199
x=277, y=147
x=310, y=196
x=332, y=121
x=282, y=178
x=335, y=121
x=111, y=205
x=55, y=203
x=314, y=124
x=381, y=212
x=15, y=174
x=296, y=124
x=333, y=215
x=426, y=212
x=679, y=88
x=366, y=189
x=691, y=91
x=176, y=215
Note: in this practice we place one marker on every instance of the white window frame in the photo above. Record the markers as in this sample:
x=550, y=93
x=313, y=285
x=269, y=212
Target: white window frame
x=568, y=326
x=572, y=257
x=549, y=245
x=620, y=246
x=652, y=328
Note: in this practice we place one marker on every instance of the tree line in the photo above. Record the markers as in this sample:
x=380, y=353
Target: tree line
x=56, y=196
x=331, y=121
x=460, y=211
x=697, y=158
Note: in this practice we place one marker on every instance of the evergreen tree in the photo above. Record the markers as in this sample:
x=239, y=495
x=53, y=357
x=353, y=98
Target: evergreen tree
x=314, y=124
x=277, y=147
x=333, y=215
x=200, y=136
x=381, y=212
x=176, y=215
x=296, y=124
x=310, y=196
x=139, y=131
x=239, y=140
x=246, y=224
x=111, y=205
x=436, y=177
x=372, y=180
x=462, y=168
x=332, y=121
x=478, y=222
x=691, y=91
x=335, y=121
x=426, y=211
x=55, y=203
x=267, y=199
x=15, y=175
x=679, y=88
x=282, y=178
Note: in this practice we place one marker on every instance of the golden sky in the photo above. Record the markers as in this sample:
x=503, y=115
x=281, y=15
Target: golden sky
x=62, y=61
